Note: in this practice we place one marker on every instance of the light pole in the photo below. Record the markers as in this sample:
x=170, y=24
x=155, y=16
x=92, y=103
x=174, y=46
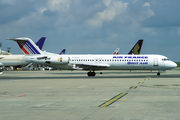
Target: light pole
x=8, y=49
x=1, y=47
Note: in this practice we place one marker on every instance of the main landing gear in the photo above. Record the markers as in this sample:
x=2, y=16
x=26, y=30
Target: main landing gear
x=158, y=74
x=91, y=73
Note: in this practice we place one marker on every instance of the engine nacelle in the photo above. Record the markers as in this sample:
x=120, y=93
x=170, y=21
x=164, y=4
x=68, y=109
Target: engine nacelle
x=58, y=60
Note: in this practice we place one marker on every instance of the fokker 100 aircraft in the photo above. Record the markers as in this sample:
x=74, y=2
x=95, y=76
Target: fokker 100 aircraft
x=94, y=62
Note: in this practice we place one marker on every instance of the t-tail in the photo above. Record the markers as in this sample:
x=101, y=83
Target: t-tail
x=137, y=48
x=27, y=46
x=62, y=52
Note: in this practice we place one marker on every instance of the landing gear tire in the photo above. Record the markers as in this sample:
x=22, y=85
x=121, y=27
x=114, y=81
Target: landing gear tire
x=158, y=74
x=91, y=74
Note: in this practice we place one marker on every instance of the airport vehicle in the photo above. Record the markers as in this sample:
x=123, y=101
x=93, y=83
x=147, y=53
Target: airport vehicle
x=94, y=62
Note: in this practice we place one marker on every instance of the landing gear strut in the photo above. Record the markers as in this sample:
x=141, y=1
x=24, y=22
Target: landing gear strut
x=158, y=74
x=91, y=73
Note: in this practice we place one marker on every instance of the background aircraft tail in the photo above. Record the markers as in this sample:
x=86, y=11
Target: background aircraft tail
x=40, y=42
x=116, y=52
x=62, y=52
x=27, y=46
x=137, y=48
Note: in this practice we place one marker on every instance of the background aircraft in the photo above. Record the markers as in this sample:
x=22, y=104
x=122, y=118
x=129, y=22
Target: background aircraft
x=116, y=52
x=62, y=52
x=4, y=53
x=17, y=60
x=135, y=50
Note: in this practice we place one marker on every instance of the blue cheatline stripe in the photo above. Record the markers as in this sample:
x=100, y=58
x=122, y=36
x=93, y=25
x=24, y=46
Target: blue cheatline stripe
x=26, y=47
x=36, y=51
x=30, y=48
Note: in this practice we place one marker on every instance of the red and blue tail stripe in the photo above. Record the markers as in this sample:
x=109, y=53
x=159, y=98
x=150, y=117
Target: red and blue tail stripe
x=28, y=48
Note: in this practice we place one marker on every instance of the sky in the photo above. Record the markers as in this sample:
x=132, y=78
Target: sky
x=93, y=26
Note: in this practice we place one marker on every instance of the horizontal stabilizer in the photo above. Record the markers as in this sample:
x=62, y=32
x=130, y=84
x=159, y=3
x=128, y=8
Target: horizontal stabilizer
x=18, y=39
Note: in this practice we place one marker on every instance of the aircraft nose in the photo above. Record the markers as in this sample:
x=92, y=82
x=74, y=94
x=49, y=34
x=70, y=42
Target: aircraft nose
x=173, y=65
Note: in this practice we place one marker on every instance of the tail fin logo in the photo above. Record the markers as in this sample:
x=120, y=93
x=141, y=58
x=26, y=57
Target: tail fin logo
x=27, y=47
x=136, y=48
x=115, y=53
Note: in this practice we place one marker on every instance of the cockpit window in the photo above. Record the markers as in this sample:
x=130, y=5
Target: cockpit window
x=165, y=59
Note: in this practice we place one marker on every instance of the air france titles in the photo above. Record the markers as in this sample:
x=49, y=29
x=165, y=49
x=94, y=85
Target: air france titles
x=134, y=60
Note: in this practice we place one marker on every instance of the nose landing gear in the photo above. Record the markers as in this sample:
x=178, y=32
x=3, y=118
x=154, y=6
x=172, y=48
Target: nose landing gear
x=158, y=74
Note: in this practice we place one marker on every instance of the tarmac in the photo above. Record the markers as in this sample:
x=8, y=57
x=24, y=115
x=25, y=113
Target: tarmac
x=72, y=95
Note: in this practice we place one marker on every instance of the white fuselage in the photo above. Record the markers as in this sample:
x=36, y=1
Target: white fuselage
x=105, y=62
x=12, y=60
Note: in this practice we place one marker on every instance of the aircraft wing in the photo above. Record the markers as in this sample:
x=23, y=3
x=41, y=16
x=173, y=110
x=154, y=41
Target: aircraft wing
x=43, y=57
x=94, y=66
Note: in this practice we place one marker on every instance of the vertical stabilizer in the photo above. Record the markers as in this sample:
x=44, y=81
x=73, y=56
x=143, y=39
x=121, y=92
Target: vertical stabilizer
x=62, y=52
x=137, y=48
x=27, y=46
x=40, y=42
x=116, y=52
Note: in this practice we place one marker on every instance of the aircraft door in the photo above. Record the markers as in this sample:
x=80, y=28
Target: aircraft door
x=155, y=61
